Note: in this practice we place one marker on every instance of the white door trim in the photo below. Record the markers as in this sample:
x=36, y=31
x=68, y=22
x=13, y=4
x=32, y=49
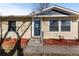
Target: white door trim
x=33, y=28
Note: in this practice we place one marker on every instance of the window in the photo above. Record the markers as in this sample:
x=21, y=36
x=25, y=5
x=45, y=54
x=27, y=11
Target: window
x=53, y=25
x=12, y=26
x=65, y=25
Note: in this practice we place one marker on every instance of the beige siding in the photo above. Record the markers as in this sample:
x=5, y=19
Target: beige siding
x=27, y=34
x=44, y=27
x=67, y=35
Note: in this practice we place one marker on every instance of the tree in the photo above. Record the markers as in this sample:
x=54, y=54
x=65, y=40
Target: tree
x=41, y=6
x=17, y=46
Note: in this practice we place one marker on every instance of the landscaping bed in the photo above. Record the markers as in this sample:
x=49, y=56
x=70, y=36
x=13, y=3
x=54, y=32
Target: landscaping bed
x=8, y=42
x=60, y=42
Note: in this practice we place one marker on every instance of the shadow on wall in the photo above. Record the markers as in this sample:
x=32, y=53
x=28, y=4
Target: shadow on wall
x=16, y=47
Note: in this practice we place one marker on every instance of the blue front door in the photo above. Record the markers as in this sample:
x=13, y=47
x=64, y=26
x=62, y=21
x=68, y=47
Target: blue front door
x=36, y=27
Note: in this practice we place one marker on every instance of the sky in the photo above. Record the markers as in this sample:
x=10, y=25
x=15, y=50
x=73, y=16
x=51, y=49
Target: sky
x=26, y=8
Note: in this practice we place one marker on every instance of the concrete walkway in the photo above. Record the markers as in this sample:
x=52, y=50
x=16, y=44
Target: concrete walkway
x=51, y=50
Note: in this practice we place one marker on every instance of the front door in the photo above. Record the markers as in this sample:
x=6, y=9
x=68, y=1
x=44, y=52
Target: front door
x=36, y=27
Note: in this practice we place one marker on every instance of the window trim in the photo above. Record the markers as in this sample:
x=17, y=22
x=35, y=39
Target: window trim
x=49, y=26
x=61, y=25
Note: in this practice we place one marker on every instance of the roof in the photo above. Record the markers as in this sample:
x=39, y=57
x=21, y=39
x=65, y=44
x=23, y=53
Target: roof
x=15, y=17
x=57, y=8
x=74, y=14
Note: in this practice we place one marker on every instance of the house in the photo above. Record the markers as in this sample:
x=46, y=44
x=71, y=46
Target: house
x=52, y=22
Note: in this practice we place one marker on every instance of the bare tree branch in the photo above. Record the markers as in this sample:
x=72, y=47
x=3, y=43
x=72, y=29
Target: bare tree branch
x=42, y=6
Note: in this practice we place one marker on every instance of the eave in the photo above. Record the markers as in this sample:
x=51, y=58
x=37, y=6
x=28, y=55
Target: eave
x=15, y=17
x=55, y=16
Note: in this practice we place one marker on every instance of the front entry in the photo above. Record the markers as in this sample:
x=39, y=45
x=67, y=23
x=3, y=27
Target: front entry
x=36, y=27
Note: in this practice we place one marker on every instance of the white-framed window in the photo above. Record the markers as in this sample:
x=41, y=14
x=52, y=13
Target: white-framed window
x=54, y=26
x=65, y=25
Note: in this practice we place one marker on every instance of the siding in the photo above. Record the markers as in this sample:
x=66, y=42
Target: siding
x=67, y=35
x=27, y=34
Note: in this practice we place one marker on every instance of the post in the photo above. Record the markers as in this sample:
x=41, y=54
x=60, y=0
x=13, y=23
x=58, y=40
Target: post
x=1, y=26
x=41, y=37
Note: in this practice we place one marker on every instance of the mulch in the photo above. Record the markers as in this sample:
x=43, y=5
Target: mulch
x=24, y=42
x=60, y=42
